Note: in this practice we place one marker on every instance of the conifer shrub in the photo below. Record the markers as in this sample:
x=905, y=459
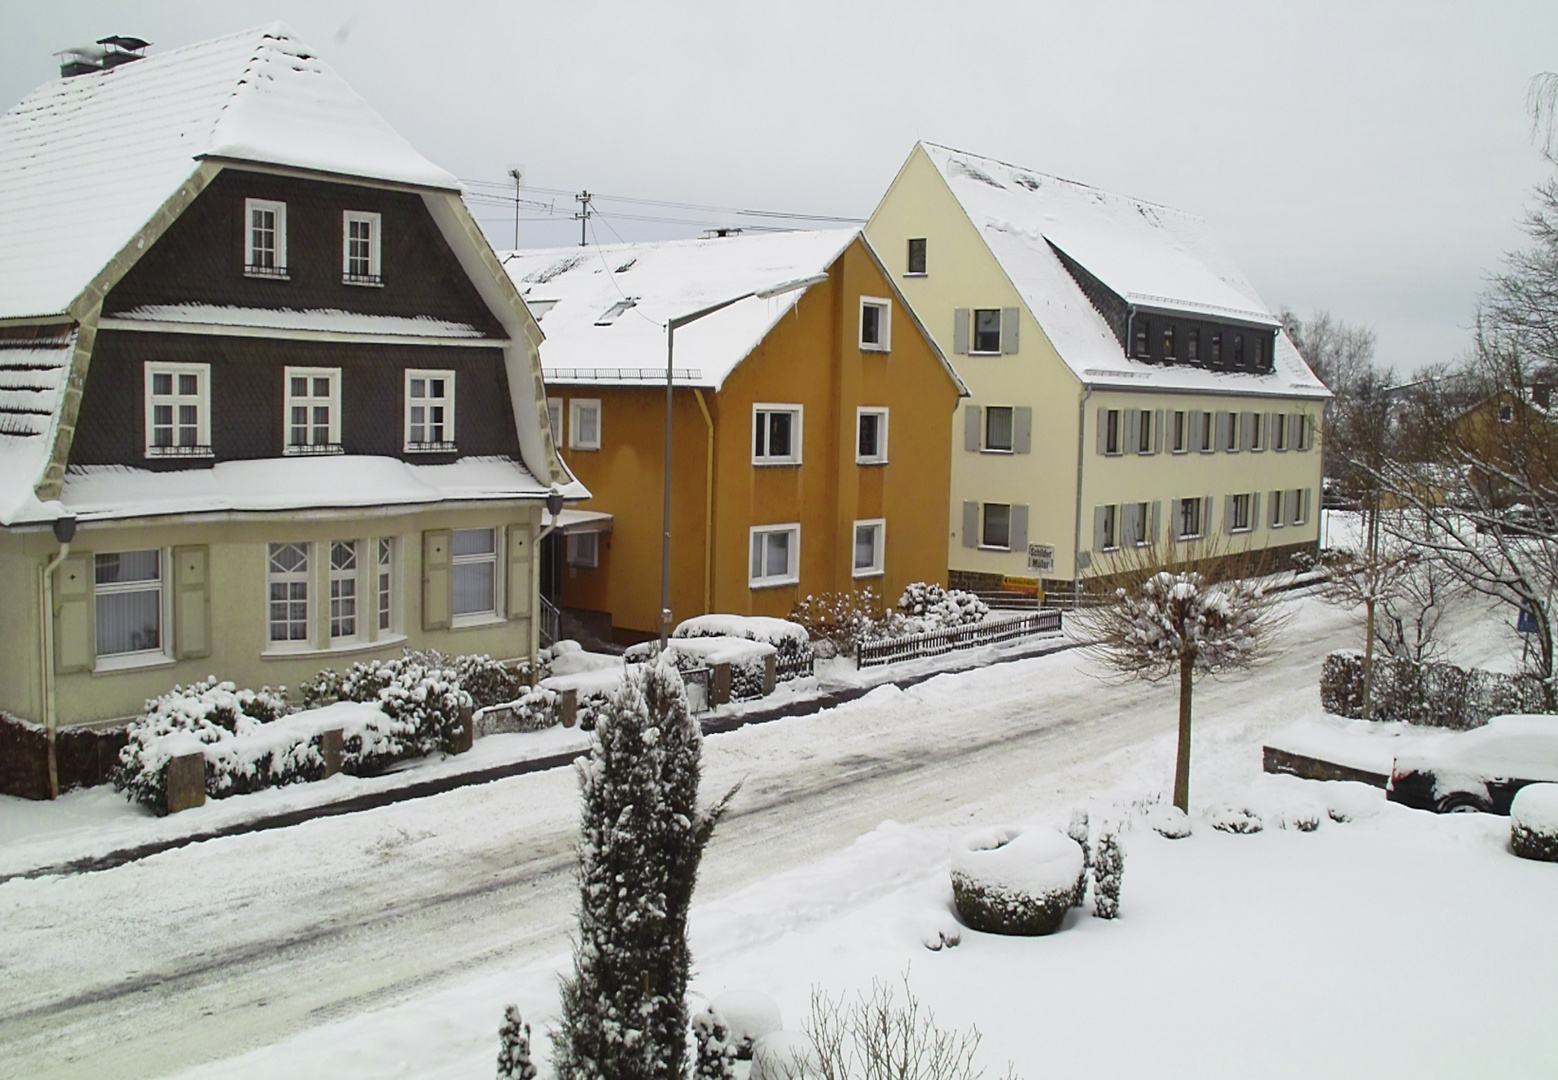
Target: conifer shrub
x=514, y=1047
x=715, y=1048
x=1108, y=870
x=1078, y=830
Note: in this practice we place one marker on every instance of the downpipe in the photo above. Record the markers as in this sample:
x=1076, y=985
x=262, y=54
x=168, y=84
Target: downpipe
x=64, y=533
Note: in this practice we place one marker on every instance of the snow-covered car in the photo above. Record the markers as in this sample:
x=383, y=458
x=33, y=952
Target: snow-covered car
x=1479, y=769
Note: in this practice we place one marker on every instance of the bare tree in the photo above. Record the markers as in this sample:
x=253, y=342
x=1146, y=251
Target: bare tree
x=1338, y=353
x=1542, y=105
x=1409, y=624
x=1186, y=623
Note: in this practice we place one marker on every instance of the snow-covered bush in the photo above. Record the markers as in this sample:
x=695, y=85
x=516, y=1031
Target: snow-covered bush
x=514, y=1047
x=872, y=1038
x=1078, y=830
x=1435, y=694
x=940, y=608
x=1016, y=881
x=1229, y=818
x=208, y=712
x=1108, y=869
x=842, y=619
x=749, y=1015
x=488, y=681
x=535, y=709
x=420, y=693
x=748, y=659
x=1167, y=820
x=1533, y=822
x=716, y=1052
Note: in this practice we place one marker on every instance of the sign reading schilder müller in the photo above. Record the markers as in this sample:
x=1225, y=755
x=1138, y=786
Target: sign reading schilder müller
x=1041, y=556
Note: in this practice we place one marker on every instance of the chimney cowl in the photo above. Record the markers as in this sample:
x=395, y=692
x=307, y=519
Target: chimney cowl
x=104, y=54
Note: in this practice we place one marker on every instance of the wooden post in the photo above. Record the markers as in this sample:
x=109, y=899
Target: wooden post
x=719, y=684
x=568, y=707
x=186, y=781
x=330, y=745
x=770, y=674
x=463, y=735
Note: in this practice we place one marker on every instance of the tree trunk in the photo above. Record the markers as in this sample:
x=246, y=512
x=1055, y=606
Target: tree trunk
x=1368, y=664
x=1182, y=761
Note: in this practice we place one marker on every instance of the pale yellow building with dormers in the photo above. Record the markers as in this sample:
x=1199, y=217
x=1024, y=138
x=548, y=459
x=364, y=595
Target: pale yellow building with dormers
x=1128, y=386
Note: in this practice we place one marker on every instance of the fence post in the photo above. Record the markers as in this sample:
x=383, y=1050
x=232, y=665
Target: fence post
x=463, y=736
x=568, y=707
x=770, y=674
x=186, y=781
x=330, y=746
x=719, y=684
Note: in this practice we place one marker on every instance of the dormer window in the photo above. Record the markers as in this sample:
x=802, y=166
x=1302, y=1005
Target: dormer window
x=178, y=410
x=360, y=248
x=429, y=411
x=1193, y=345
x=1217, y=348
x=265, y=238
x=1168, y=342
x=609, y=316
x=1238, y=350
x=1142, y=348
x=313, y=410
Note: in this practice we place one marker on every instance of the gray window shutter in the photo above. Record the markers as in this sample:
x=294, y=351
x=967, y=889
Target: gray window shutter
x=1228, y=514
x=1157, y=431
x=1130, y=430
x=1307, y=492
x=192, y=602
x=1197, y=424
x=1098, y=527
x=1247, y=431
x=971, y=432
x=970, y=524
x=1019, y=533
x=1296, y=423
x=1009, y=330
x=520, y=589
x=75, y=636
x=1156, y=530
x=960, y=331
x=1223, y=419
x=1129, y=513
x=1022, y=429
x=1103, y=431
x=1206, y=516
x=437, y=583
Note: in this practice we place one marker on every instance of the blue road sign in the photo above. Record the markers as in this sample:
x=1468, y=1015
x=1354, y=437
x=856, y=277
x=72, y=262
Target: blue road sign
x=1527, y=622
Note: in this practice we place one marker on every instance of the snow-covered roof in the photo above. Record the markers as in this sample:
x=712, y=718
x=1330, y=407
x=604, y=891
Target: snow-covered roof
x=604, y=309
x=32, y=386
x=320, y=320
x=110, y=492
x=1149, y=255
x=86, y=162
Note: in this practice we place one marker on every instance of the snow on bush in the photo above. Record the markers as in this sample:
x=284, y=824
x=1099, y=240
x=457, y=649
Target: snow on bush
x=1533, y=818
x=1108, y=869
x=939, y=608
x=1167, y=820
x=1434, y=694
x=872, y=1038
x=938, y=928
x=1016, y=881
x=1229, y=818
x=716, y=1053
x=419, y=692
x=514, y=1047
x=750, y=1015
x=535, y=709
x=838, y=621
x=748, y=659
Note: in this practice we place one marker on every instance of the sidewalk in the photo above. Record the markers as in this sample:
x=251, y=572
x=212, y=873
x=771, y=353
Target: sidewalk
x=558, y=748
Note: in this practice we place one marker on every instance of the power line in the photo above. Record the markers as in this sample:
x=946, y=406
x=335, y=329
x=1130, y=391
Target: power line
x=672, y=205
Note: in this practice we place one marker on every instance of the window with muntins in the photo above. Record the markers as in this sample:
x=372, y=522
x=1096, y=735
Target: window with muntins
x=987, y=330
x=1217, y=348
x=870, y=547
x=584, y=549
x=128, y=599
x=917, y=256
x=288, y=581
x=429, y=410
x=996, y=526
x=343, y=589
x=998, y=428
x=1190, y=512
x=178, y=410
x=584, y=424
x=1240, y=518
x=871, y=436
x=1108, y=532
x=1238, y=350
x=360, y=248
x=474, y=571
x=313, y=410
x=775, y=555
x=385, y=582
x=265, y=238
x=875, y=324
x=776, y=435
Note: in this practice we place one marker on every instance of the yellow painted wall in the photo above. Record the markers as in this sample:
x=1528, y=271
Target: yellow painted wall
x=811, y=358
x=238, y=599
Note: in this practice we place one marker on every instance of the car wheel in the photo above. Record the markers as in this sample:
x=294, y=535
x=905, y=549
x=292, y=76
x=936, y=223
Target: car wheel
x=1463, y=802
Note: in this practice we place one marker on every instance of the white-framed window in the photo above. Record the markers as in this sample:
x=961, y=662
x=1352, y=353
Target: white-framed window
x=1181, y=441
x=1143, y=431
x=128, y=596
x=1231, y=432
x=1114, y=438
x=875, y=324
x=1208, y=433
x=360, y=243
x=1257, y=439
x=178, y=410
x=1506, y=413
x=287, y=577
x=870, y=436
x=998, y=428
x=987, y=331
x=1305, y=435
x=1279, y=431
x=343, y=589
x=1239, y=513
x=384, y=583
x=429, y=410
x=870, y=547
x=1140, y=520
x=265, y=238
x=776, y=555
x=776, y=434
x=917, y=257
x=584, y=424
x=1189, y=515
x=474, y=569
x=584, y=549
x=1276, y=520
x=1298, y=506
x=1109, y=528
x=313, y=403
x=995, y=530
x=554, y=417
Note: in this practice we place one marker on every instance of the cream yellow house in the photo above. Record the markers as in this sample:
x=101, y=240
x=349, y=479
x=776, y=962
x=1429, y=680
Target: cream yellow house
x=1129, y=387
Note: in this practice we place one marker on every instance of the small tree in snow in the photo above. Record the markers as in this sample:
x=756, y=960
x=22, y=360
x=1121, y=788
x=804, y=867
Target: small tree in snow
x=1180, y=623
x=1108, y=869
x=642, y=835
x=1078, y=831
x=514, y=1047
x=716, y=1053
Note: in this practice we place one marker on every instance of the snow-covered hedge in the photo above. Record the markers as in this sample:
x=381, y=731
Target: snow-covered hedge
x=421, y=695
x=533, y=710
x=748, y=659
x=940, y=608
x=1533, y=822
x=1016, y=881
x=1436, y=694
x=789, y=639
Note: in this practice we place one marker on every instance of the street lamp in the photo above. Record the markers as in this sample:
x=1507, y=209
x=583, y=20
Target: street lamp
x=670, y=346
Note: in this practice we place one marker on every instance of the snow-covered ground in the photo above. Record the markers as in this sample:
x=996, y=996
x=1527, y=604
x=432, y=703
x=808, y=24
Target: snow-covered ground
x=386, y=943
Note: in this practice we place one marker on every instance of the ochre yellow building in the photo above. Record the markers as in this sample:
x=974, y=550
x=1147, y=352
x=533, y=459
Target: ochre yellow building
x=809, y=448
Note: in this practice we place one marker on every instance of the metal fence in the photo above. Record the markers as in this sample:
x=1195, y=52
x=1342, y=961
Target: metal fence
x=937, y=642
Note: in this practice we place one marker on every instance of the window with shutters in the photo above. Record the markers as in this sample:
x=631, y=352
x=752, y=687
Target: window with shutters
x=584, y=549
x=1188, y=518
x=287, y=579
x=1304, y=435
x=996, y=526
x=875, y=324
x=343, y=589
x=313, y=410
x=917, y=257
x=1275, y=519
x=1113, y=438
x=385, y=583
x=554, y=417
x=870, y=547
x=1109, y=528
x=360, y=248
x=1298, y=513
x=776, y=434
x=1168, y=341
x=776, y=555
x=473, y=569
x=1193, y=344
x=870, y=436
x=1279, y=431
x=128, y=596
x=1141, y=524
x=265, y=239
x=178, y=410
x=1143, y=347
x=998, y=429
x=429, y=411
x=1181, y=441
x=1239, y=513
x=987, y=330
x=1144, y=432
x=584, y=424
x=1231, y=432
x=1257, y=430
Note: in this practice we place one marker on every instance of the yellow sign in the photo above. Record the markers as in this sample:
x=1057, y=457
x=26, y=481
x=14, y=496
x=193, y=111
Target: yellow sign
x=1026, y=585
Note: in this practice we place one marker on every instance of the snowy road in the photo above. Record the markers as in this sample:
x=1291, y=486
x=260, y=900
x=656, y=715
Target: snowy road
x=211, y=950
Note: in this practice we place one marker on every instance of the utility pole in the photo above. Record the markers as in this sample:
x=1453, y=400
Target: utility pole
x=519, y=177
x=583, y=216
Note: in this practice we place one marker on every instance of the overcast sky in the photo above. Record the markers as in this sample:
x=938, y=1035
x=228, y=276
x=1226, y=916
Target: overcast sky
x=1369, y=159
